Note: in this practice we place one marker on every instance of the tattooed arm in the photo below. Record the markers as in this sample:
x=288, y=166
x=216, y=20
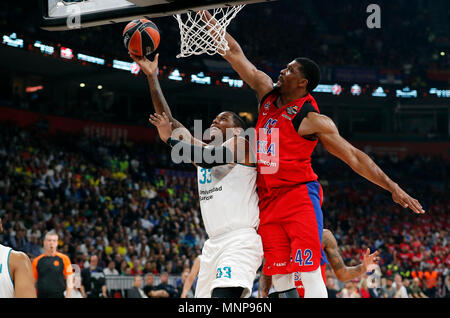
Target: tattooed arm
x=345, y=273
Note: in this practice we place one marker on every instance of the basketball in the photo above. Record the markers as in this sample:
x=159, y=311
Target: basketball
x=141, y=37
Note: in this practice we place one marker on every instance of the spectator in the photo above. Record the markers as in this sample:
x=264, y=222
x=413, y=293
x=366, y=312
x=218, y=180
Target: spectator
x=416, y=290
x=430, y=278
x=124, y=268
x=331, y=289
x=136, y=291
x=363, y=289
x=350, y=291
x=447, y=286
x=78, y=290
x=399, y=289
x=93, y=280
x=52, y=270
x=164, y=284
x=375, y=290
x=440, y=288
x=152, y=291
x=32, y=247
x=111, y=269
x=388, y=290
x=407, y=285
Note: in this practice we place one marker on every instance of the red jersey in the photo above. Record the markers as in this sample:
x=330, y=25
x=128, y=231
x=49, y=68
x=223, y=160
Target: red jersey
x=283, y=156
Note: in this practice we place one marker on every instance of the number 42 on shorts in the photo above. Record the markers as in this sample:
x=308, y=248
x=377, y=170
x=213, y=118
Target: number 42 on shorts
x=307, y=254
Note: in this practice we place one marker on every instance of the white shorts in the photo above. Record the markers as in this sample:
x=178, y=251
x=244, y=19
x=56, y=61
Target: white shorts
x=230, y=260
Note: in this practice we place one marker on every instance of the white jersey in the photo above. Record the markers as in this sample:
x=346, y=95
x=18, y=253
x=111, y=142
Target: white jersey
x=6, y=283
x=228, y=198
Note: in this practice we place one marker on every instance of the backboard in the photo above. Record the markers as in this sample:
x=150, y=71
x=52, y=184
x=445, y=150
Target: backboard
x=58, y=15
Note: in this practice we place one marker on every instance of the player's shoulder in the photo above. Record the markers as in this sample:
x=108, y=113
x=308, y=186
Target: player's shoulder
x=18, y=256
x=320, y=122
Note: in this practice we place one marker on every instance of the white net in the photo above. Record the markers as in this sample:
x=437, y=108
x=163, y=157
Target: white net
x=203, y=33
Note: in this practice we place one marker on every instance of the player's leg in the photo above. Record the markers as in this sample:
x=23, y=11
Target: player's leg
x=305, y=230
x=277, y=254
x=237, y=264
x=284, y=286
x=314, y=284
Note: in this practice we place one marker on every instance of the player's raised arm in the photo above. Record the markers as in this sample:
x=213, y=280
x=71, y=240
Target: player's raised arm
x=324, y=128
x=345, y=273
x=259, y=81
x=150, y=69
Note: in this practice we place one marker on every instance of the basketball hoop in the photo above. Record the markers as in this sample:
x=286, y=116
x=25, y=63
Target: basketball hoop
x=200, y=34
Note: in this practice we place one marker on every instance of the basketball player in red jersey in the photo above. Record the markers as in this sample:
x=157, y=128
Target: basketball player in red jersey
x=290, y=198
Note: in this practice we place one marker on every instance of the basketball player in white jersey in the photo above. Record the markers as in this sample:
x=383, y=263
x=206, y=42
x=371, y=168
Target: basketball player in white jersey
x=16, y=273
x=228, y=199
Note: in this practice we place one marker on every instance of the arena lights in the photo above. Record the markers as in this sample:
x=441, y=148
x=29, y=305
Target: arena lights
x=406, y=93
x=335, y=89
x=379, y=92
x=12, y=40
x=200, y=78
x=175, y=75
x=126, y=66
x=32, y=89
x=135, y=68
x=45, y=49
x=66, y=53
x=323, y=88
x=90, y=59
x=355, y=90
x=445, y=93
x=232, y=82
x=82, y=85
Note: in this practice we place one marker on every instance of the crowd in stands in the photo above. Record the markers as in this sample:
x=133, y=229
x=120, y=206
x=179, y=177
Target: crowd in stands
x=409, y=41
x=109, y=200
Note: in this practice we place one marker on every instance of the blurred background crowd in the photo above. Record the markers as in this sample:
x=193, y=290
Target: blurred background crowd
x=124, y=209
x=122, y=203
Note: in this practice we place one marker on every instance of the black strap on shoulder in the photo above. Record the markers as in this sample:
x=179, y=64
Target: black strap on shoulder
x=304, y=111
x=265, y=97
x=209, y=156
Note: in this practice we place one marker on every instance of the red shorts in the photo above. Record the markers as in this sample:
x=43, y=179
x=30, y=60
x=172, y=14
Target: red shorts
x=291, y=228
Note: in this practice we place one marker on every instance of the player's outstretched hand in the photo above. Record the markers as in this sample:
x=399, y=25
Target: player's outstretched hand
x=370, y=258
x=163, y=125
x=148, y=67
x=401, y=197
